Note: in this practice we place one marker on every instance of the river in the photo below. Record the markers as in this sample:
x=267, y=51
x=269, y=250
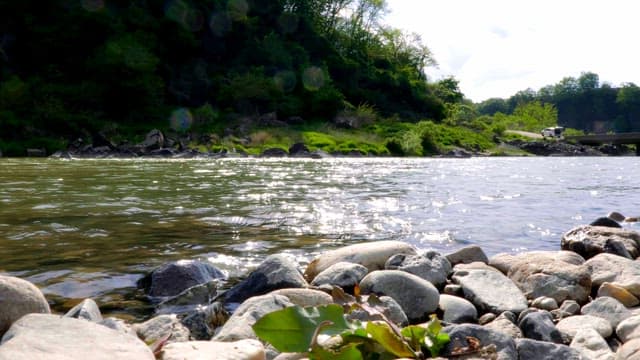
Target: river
x=92, y=228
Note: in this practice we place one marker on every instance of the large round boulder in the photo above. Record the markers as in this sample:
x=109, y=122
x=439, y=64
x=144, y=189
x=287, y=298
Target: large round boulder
x=372, y=255
x=173, y=278
x=417, y=297
x=17, y=298
x=490, y=291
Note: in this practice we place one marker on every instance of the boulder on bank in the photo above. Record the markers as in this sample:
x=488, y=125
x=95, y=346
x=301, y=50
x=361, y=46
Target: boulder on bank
x=417, y=297
x=542, y=274
x=490, y=291
x=617, y=270
x=372, y=255
x=430, y=266
x=504, y=261
x=275, y=272
x=43, y=336
x=343, y=274
x=173, y=278
x=19, y=297
x=590, y=241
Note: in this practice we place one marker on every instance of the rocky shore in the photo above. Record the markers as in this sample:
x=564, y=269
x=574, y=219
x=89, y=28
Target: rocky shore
x=579, y=302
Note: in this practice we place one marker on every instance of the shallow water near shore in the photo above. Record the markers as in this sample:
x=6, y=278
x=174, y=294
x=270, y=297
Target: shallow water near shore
x=92, y=228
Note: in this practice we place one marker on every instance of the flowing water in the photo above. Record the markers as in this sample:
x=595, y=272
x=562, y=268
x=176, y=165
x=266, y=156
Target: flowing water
x=92, y=228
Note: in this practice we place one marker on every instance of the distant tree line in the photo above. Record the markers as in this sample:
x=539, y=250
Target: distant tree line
x=582, y=103
x=69, y=67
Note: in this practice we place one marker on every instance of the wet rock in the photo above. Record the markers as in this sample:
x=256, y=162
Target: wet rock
x=459, y=334
x=490, y=291
x=43, y=336
x=275, y=152
x=203, y=321
x=629, y=350
x=539, y=325
x=545, y=303
x=505, y=324
x=591, y=345
x=607, y=308
x=541, y=274
x=606, y=222
x=248, y=349
x=430, y=266
x=189, y=299
x=417, y=297
x=372, y=255
x=457, y=310
x=17, y=298
x=299, y=149
x=529, y=349
x=615, y=269
x=162, y=327
x=619, y=293
x=504, y=261
x=239, y=325
x=467, y=255
x=343, y=274
x=87, y=310
x=173, y=278
x=629, y=328
x=305, y=297
x=590, y=241
x=570, y=326
x=275, y=272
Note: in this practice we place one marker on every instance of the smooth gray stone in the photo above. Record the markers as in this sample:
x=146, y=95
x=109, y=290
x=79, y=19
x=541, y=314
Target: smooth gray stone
x=175, y=277
x=629, y=328
x=570, y=326
x=239, y=325
x=160, y=326
x=466, y=255
x=459, y=334
x=19, y=297
x=615, y=269
x=607, y=308
x=539, y=326
x=417, y=297
x=86, y=310
x=592, y=345
x=490, y=291
x=343, y=274
x=275, y=272
x=430, y=266
x=505, y=324
x=529, y=349
x=54, y=337
x=457, y=310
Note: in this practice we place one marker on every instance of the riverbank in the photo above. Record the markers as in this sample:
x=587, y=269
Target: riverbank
x=581, y=301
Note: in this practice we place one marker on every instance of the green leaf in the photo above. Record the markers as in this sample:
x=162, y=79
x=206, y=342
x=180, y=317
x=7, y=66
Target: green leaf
x=292, y=329
x=346, y=352
x=381, y=332
x=416, y=335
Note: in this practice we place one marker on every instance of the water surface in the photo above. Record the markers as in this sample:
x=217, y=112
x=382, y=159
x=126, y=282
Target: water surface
x=91, y=228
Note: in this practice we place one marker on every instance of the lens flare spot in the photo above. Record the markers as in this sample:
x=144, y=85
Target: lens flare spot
x=285, y=80
x=238, y=9
x=313, y=78
x=92, y=5
x=181, y=119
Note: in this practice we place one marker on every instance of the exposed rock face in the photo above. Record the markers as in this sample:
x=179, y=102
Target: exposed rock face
x=52, y=337
x=490, y=291
x=372, y=255
x=417, y=297
x=153, y=140
x=17, y=298
x=172, y=278
x=275, y=272
x=590, y=241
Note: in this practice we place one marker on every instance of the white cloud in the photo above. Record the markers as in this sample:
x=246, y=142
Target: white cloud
x=498, y=47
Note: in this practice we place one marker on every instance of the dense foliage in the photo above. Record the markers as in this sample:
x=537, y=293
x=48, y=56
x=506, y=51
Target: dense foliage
x=582, y=103
x=71, y=68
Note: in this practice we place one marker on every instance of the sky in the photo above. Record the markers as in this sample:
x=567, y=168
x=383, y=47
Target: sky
x=495, y=48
